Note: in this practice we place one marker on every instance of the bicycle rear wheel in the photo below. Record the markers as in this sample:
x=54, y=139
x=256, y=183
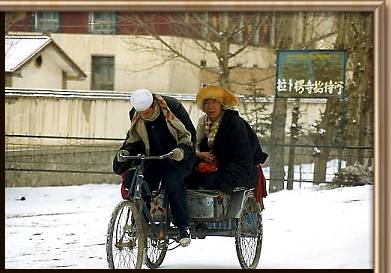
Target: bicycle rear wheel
x=157, y=239
x=125, y=237
x=249, y=234
x=156, y=250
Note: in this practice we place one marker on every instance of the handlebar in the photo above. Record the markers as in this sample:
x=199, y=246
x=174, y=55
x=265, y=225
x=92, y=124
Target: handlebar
x=142, y=156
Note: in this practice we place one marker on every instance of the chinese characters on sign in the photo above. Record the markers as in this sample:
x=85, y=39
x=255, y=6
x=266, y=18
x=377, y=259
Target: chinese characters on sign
x=309, y=87
x=310, y=73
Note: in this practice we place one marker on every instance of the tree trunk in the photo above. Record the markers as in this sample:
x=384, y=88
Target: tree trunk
x=223, y=53
x=365, y=127
x=329, y=125
x=277, y=161
x=292, y=144
x=286, y=39
x=277, y=158
x=360, y=102
x=295, y=112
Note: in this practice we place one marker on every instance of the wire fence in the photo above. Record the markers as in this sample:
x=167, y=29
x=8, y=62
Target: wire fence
x=59, y=154
x=89, y=160
x=316, y=164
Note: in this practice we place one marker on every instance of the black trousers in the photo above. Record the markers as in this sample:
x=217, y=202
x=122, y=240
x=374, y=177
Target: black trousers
x=175, y=187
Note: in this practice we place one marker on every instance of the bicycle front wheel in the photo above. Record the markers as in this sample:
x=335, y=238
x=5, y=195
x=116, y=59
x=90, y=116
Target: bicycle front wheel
x=125, y=237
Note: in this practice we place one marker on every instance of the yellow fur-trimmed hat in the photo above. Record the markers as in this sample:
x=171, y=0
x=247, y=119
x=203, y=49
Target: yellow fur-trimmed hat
x=216, y=92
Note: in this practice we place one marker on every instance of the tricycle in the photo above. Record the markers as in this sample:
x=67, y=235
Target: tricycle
x=138, y=235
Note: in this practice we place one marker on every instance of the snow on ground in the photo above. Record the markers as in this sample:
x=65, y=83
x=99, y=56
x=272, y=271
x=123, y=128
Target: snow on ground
x=65, y=227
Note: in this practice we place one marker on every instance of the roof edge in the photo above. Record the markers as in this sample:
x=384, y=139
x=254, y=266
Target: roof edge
x=49, y=41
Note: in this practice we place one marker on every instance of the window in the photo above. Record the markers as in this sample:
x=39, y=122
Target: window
x=102, y=76
x=47, y=21
x=101, y=22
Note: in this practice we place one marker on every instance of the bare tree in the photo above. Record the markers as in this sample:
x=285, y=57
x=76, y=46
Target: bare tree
x=257, y=115
x=11, y=18
x=224, y=36
x=294, y=31
x=349, y=122
x=214, y=34
x=358, y=41
x=285, y=32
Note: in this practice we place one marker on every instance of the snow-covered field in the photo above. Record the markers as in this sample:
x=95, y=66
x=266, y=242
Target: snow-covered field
x=65, y=227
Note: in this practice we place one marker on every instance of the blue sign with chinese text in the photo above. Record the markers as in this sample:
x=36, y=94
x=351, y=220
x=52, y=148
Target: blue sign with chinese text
x=310, y=73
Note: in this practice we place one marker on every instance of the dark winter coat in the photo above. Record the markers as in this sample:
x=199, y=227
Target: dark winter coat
x=238, y=151
x=186, y=165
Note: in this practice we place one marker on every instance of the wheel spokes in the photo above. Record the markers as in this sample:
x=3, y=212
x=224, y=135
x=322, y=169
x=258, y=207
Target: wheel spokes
x=153, y=250
x=125, y=241
x=155, y=246
x=249, y=235
x=249, y=246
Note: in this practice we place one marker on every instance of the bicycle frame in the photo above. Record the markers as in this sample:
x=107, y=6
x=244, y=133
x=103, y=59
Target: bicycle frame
x=138, y=182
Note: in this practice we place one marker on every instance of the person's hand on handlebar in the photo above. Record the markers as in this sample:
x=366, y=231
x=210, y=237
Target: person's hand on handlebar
x=177, y=154
x=120, y=154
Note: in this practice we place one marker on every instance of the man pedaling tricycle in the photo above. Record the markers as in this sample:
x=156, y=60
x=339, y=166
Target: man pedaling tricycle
x=160, y=124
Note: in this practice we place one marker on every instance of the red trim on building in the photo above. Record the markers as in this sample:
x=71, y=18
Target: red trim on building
x=74, y=22
x=158, y=22
x=25, y=24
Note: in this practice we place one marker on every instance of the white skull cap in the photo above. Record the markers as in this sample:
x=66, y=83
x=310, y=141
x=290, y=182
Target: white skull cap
x=141, y=99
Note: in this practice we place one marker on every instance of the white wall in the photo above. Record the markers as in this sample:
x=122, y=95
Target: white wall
x=99, y=117
x=51, y=116
x=130, y=65
x=48, y=75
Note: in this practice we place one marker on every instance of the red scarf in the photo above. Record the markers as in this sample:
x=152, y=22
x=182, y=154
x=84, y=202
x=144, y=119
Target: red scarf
x=260, y=190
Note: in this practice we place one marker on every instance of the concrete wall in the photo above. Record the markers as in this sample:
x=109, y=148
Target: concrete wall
x=60, y=113
x=99, y=117
x=60, y=165
x=69, y=116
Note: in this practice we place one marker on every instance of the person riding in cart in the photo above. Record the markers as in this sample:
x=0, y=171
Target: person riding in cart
x=227, y=150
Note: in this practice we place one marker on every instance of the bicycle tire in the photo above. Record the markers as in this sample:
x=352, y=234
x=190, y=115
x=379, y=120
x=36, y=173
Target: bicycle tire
x=155, y=252
x=249, y=234
x=125, y=237
x=157, y=240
